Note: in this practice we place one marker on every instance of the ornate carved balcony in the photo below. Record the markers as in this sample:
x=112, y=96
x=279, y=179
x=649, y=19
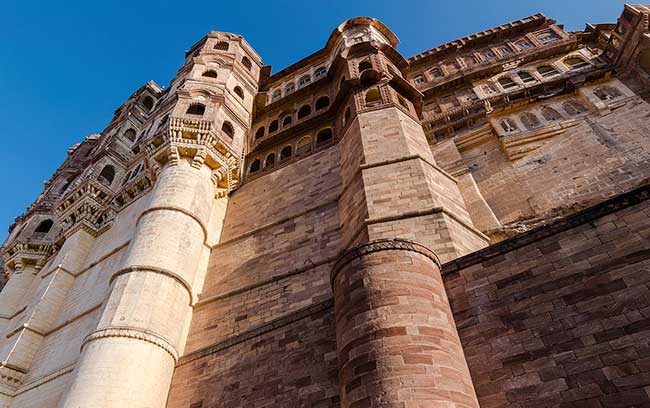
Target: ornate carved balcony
x=85, y=206
x=35, y=250
x=199, y=140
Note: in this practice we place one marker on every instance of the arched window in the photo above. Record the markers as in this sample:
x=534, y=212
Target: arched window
x=530, y=120
x=196, y=109
x=508, y=125
x=547, y=36
x=270, y=160
x=373, y=97
x=277, y=94
x=324, y=136
x=304, y=145
x=259, y=133
x=130, y=135
x=304, y=80
x=419, y=79
x=575, y=63
x=239, y=92
x=147, y=102
x=573, y=108
x=44, y=227
x=322, y=103
x=550, y=114
x=364, y=65
x=273, y=127
x=286, y=121
x=523, y=44
x=246, y=62
x=505, y=50
x=255, y=166
x=285, y=153
x=107, y=175
x=221, y=46
x=507, y=83
x=211, y=73
x=547, y=71
x=320, y=72
x=289, y=88
x=489, y=54
x=526, y=77
x=227, y=129
x=436, y=73
x=605, y=93
x=304, y=111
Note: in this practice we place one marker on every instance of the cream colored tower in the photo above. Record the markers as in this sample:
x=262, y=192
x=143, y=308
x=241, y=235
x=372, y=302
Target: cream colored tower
x=128, y=360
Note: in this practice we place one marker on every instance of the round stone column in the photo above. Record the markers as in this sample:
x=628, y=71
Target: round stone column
x=396, y=338
x=128, y=361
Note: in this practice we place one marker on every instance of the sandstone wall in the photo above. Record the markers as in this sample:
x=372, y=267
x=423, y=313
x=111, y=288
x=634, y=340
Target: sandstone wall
x=560, y=316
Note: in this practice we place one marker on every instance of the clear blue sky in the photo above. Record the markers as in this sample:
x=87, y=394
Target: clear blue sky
x=66, y=65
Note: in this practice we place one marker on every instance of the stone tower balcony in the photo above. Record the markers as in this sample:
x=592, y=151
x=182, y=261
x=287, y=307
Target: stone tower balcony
x=86, y=206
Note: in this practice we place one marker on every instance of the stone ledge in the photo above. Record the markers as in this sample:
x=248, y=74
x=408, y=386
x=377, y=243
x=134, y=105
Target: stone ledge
x=602, y=209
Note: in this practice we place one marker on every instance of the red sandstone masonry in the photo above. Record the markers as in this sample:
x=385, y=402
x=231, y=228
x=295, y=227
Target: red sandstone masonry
x=561, y=316
x=396, y=339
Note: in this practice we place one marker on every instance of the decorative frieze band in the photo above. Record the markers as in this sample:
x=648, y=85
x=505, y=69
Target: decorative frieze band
x=387, y=244
x=133, y=333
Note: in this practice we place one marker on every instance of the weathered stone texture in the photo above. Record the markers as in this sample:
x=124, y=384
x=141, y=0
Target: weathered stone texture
x=563, y=319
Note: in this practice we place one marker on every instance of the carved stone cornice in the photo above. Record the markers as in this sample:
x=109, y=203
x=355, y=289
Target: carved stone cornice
x=86, y=207
x=21, y=252
x=133, y=333
x=387, y=244
x=131, y=191
x=198, y=140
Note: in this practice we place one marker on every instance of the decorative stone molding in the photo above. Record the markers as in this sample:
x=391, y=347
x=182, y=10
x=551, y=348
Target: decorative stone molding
x=18, y=253
x=387, y=244
x=200, y=141
x=133, y=333
x=134, y=189
x=86, y=207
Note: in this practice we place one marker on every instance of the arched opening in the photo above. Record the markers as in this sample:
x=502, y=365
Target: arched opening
x=373, y=97
x=304, y=80
x=44, y=227
x=530, y=120
x=508, y=125
x=526, y=77
x=550, y=114
x=324, y=136
x=322, y=103
x=547, y=36
x=419, y=79
x=573, y=108
x=211, y=73
x=246, y=62
x=269, y=161
x=285, y=153
x=320, y=72
x=436, y=73
x=259, y=133
x=255, y=166
x=221, y=46
x=575, y=63
x=197, y=109
x=605, y=93
x=289, y=88
x=239, y=92
x=364, y=65
x=227, y=129
x=147, y=102
x=304, y=145
x=130, y=135
x=277, y=94
x=547, y=71
x=273, y=127
x=286, y=121
x=304, y=111
x=107, y=175
x=507, y=83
